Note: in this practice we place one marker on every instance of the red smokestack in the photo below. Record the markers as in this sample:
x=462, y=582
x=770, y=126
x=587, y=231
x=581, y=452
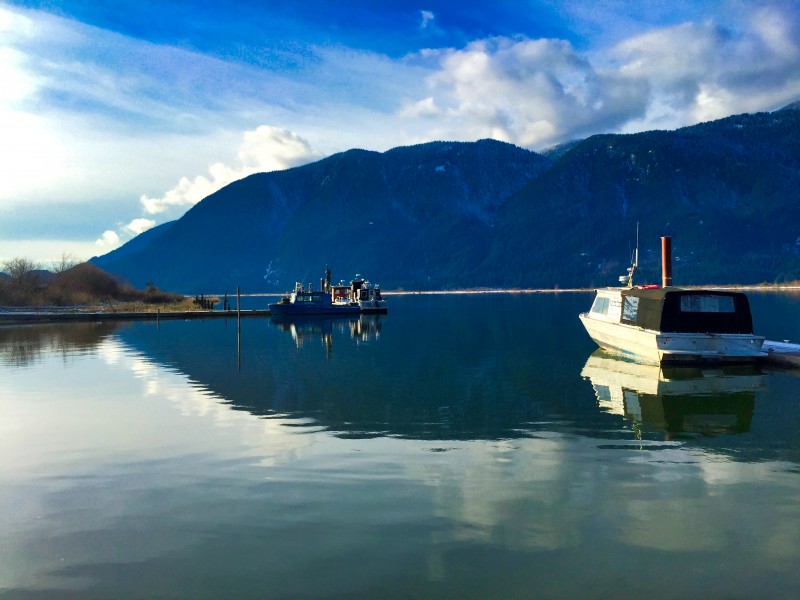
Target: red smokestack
x=666, y=261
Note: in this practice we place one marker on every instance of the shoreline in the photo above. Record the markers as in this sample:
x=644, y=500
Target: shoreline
x=23, y=315
x=54, y=316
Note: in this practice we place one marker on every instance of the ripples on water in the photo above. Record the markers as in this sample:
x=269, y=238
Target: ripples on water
x=461, y=446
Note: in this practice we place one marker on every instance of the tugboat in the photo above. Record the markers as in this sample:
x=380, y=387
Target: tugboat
x=668, y=324
x=359, y=297
x=302, y=302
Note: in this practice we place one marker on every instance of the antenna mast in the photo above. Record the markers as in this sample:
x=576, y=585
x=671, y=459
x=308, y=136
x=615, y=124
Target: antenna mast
x=628, y=279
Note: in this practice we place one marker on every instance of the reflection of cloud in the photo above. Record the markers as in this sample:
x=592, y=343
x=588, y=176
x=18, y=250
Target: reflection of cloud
x=267, y=438
x=673, y=525
x=110, y=351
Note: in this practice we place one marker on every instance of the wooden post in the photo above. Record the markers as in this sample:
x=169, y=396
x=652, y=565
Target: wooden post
x=238, y=328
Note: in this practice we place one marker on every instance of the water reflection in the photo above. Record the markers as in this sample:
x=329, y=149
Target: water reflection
x=24, y=345
x=314, y=329
x=676, y=399
x=153, y=467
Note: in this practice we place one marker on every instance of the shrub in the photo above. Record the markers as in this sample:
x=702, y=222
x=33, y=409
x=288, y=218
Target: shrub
x=78, y=285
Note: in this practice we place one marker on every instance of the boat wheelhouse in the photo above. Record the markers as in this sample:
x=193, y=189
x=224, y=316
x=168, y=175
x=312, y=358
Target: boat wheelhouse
x=310, y=302
x=368, y=296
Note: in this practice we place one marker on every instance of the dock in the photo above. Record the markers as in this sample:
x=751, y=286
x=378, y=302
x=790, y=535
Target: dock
x=781, y=353
x=44, y=316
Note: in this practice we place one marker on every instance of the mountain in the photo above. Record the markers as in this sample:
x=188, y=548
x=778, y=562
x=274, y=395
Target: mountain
x=471, y=214
x=410, y=217
x=727, y=191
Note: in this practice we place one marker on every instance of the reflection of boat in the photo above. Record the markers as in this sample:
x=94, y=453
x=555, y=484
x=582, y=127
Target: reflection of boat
x=669, y=324
x=676, y=398
x=362, y=328
x=366, y=328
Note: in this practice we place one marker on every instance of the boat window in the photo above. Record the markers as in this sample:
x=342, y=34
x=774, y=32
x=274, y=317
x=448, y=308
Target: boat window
x=600, y=305
x=707, y=304
x=603, y=392
x=630, y=308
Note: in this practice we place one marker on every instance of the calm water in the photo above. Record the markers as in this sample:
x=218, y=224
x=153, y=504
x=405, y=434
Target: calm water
x=459, y=447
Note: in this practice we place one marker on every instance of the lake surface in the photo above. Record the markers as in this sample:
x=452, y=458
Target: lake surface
x=462, y=446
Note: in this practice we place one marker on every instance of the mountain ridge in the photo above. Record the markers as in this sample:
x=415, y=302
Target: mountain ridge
x=444, y=215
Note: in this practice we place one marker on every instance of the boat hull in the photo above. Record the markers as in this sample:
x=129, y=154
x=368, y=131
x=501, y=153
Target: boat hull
x=312, y=309
x=373, y=306
x=659, y=347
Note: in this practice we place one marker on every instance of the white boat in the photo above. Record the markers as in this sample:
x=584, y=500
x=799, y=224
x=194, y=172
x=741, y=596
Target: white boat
x=368, y=296
x=670, y=324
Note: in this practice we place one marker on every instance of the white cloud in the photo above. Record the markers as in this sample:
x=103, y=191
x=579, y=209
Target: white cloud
x=29, y=151
x=140, y=225
x=264, y=149
x=91, y=114
x=46, y=251
x=529, y=92
x=109, y=239
x=273, y=149
x=426, y=107
x=698, y=72
x=537, y=92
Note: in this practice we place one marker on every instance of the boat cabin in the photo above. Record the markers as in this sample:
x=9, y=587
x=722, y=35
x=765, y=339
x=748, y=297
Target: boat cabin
x=676, y=310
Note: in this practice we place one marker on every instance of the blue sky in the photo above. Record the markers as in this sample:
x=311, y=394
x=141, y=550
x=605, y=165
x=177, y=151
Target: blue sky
x=118, y=116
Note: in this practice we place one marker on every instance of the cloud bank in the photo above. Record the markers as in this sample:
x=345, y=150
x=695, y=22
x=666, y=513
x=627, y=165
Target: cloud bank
x=93, y=115
x=264, y=149
x=539, y=92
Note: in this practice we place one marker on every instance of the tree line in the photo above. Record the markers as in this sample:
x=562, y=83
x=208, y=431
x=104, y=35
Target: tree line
x=70, y=282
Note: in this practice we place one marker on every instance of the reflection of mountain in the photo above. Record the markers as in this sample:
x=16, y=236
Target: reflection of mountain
x=429, y=370
x=492, y=366
x=676, y=399
x=22, y=345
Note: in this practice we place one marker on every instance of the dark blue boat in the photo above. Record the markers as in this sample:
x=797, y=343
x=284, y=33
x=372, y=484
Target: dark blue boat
x=309, y=302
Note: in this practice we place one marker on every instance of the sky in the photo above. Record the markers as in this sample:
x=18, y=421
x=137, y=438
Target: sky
x=117, y=116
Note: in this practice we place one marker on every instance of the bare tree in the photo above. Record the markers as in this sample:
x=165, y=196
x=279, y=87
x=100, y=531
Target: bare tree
x=23, y=282
x=20, y=269
x=66, y=262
